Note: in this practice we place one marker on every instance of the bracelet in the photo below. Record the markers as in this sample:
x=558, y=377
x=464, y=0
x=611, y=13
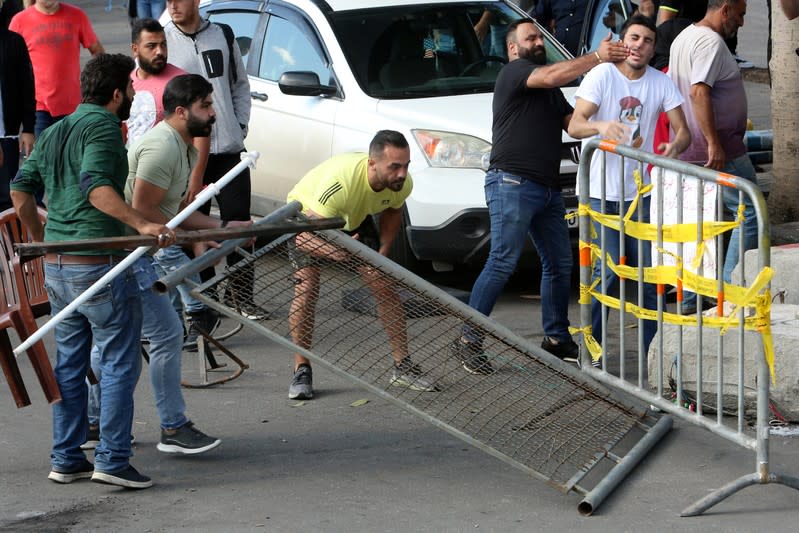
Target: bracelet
x=223, y=224
x=598, y=57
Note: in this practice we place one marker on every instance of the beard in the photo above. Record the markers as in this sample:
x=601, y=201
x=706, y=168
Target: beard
x=124, y=108
x=152, y=67
x=199, y=128
x=536, y=55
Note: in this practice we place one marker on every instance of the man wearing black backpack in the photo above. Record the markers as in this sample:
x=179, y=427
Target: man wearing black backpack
x=209, y=49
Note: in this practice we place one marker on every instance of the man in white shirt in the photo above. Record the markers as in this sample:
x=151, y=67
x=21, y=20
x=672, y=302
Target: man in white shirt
x=622, y=102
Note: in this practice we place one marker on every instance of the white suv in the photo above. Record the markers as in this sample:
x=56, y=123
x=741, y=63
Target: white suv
x=325, y=75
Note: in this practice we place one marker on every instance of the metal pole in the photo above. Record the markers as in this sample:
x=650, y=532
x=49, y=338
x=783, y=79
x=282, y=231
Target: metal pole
x=597, y=495
x=247, y=159
x=212, y=256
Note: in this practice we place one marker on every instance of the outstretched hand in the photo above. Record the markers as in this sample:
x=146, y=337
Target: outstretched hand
x=612, y=51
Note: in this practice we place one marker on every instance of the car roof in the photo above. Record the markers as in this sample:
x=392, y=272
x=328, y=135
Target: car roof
x=341, y=5
x=346, y=5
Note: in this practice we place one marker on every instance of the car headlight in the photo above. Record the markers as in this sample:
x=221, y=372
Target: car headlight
x=453, y=150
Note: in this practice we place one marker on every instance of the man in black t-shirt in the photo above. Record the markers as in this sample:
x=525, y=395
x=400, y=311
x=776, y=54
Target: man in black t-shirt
x=522, y=190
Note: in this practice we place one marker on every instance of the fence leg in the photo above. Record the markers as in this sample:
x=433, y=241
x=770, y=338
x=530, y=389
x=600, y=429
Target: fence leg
x=731, y=488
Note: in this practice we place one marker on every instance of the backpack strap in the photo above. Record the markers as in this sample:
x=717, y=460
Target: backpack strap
x=229, y=37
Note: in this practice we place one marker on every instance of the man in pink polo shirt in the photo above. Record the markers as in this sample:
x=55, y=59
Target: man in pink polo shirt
x=54, y=32
x=153, y=72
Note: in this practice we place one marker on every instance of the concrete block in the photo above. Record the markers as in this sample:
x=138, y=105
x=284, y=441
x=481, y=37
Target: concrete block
x=785, y=332
x=786, y=276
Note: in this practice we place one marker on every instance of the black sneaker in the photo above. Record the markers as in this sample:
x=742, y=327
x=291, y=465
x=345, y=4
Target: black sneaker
x=471, y=357
x=187, y=440
x=128, y=477
x=67, y=475
x=206, y=321
x=301, y=387
x=92, y=439
x=564, y=350
x=409, y=374
x=246, y=308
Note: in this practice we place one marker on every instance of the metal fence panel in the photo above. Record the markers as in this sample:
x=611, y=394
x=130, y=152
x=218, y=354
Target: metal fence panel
x=534, y=412
x=688, y=359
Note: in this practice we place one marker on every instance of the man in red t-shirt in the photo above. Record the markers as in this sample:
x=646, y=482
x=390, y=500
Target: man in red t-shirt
x=54, y=32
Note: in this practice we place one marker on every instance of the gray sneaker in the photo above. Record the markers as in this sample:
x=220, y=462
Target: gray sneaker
x=409, y=374
x=187, y=440
x=301, y=387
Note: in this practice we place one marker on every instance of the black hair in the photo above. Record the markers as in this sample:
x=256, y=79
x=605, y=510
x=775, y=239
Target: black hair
x=511, y=35
x=639, y=20
x=102, y=75
x=145, y=24
x=183, y=91
x=384, y=138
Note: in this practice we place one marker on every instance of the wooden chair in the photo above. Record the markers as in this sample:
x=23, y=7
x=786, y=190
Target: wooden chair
x=23, y=299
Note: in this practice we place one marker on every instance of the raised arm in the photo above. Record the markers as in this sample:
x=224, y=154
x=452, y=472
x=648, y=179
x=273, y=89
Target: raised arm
x=561, y=73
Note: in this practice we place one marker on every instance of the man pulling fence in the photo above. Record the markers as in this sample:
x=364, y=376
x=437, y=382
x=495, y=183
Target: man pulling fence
x=353, y=186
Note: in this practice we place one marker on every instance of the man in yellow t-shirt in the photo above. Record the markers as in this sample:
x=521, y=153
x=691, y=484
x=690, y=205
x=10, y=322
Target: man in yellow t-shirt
x=353, y=186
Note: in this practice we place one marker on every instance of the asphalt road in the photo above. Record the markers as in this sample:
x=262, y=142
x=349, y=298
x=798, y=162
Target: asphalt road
x=326, y=465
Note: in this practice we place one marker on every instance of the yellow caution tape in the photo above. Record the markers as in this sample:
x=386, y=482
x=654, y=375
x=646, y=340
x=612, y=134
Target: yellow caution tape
x=740, y=297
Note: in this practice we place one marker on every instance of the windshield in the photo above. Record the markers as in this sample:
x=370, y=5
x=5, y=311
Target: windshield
x=421, y=51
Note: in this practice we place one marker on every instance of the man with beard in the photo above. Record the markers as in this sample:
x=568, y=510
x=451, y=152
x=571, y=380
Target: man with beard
x=81, y=164
x=521, y=187
x=353, y=186
x=709, y=79
x=149, y=79
x=209, y=49
x=160, y=163
x=148, y=44
x=603, y=101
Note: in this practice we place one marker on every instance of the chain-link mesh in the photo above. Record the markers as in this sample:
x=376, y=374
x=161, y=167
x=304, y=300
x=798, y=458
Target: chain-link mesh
x=528, y=410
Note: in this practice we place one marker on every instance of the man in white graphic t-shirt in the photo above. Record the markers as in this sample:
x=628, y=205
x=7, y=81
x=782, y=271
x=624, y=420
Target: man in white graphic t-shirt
x=622, y=102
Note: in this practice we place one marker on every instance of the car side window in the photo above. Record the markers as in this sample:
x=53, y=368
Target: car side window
x=288, y=48
x=609, y=16
x=243, y=24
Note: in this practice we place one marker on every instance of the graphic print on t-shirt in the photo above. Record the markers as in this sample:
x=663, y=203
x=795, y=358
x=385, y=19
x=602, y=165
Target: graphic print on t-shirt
x=630, y=115
x=214, y=63
x=143, y=115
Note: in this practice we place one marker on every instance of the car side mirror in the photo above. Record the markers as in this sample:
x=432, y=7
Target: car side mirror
x=304, y=83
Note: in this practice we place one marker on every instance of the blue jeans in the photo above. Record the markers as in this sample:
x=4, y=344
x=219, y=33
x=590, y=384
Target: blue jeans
x=519, y=207
x=43, y=121
x=112, y=320
x=169, y=259
x=611, y=246
x=163, y=327
x=150, y=8
x=743, y=168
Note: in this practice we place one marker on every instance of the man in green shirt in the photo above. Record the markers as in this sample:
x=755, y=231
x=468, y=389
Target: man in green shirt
x=353, y=186
x=81, y=164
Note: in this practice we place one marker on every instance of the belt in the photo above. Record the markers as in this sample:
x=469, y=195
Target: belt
x=57, y=259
